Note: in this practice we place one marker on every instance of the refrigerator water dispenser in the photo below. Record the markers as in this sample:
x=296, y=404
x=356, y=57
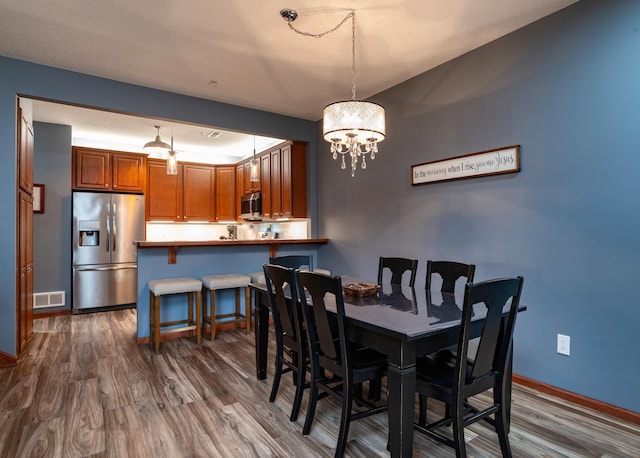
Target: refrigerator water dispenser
x=89, y=238
x=89, y=233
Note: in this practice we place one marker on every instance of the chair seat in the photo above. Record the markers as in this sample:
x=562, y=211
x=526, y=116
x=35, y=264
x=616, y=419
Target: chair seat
x=226, y=281
x=174, y=286
x=367, y=357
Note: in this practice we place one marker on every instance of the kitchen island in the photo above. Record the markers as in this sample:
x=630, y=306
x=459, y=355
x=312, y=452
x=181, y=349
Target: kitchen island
x=168, y=259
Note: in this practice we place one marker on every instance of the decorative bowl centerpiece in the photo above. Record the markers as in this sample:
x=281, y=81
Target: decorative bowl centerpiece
x=360, y=289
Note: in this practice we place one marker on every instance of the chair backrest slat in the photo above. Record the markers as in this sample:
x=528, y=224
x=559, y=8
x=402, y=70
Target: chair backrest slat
x=398, y=266
x=450, y=272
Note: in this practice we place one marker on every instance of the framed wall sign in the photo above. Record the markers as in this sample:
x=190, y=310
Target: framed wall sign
x=38, y=198
x=484, y=163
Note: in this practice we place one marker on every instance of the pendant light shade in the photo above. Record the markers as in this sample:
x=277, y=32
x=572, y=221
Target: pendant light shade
x=157, y=145
x=354, y=119
x=253, y=177
x=172, y=160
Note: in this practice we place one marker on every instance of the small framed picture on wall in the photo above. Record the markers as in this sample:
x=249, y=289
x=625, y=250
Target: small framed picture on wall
x=38, y=198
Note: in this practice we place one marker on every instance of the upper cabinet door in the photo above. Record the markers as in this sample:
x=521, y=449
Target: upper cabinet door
x=225, y=193
x=106, y=170
x=198, y=192
x=163, y=199
x=265, y=171
x=276, y=184
x=128, y=172
x=92, y=169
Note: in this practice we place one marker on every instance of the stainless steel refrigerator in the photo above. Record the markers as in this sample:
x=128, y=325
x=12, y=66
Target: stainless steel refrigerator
x=104, y=258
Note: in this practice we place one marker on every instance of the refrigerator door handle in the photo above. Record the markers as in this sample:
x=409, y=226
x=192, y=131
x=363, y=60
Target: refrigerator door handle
x=108, y=244
x=98, y=269
x=113, y=222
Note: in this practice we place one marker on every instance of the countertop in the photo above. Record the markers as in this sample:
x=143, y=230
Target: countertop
x=204, y=243
x=273, y=244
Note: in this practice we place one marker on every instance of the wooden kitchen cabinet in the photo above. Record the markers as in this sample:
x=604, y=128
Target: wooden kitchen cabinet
x=104, y=170
x=225, y=193
x=287, y=182
x=250, y=186
x=163, y=199
x=239, y=189
x=276, y=183
x=187, y=196
x=198, y=192
x=265, y=178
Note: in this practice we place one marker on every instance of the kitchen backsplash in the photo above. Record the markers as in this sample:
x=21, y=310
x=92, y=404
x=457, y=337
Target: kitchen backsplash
x=293, y=229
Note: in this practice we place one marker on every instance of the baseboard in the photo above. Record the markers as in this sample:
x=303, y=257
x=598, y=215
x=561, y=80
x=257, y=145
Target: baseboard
x=614, y=411
x=7, y=360
x=182, y=334
x=51, y=313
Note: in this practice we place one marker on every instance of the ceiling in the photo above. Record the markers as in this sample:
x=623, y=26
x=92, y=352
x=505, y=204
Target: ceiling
x=244, y=54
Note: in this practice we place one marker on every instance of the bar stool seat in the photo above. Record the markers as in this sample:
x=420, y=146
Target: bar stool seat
x=213, y=283
x=167, y=286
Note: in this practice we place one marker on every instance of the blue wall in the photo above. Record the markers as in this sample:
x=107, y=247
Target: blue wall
x=52, y=229
x=23, y=78
x=565, y=88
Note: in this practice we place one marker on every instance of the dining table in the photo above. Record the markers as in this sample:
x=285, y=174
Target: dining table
x=402, y=322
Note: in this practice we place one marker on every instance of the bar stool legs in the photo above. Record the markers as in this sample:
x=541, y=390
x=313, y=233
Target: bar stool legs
x=171, y=286
x=213, y=283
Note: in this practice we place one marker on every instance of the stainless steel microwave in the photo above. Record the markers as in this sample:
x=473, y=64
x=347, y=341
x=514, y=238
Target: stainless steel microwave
x=251, y=207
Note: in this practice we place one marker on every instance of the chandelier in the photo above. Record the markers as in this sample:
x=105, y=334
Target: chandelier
x=353, y=127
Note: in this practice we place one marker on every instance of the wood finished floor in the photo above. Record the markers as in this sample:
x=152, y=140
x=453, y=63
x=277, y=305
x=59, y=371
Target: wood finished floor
x=85, y=388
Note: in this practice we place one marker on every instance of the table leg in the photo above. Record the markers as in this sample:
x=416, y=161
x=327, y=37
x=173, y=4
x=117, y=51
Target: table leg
x=402, y=384
x=261, y=336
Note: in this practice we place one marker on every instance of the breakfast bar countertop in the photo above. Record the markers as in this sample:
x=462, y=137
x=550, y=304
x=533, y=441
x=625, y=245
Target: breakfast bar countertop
x=181, y=243
x=173, y=245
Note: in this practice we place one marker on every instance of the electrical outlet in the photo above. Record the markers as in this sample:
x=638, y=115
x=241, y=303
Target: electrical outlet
x=564, y=345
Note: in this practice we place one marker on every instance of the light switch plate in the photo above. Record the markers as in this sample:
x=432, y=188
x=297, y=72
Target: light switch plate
x=564, y=344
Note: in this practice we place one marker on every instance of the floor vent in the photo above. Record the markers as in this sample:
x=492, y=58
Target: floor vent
x=50, y=299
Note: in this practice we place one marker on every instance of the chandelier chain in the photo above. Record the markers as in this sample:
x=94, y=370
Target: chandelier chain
x=351, y=15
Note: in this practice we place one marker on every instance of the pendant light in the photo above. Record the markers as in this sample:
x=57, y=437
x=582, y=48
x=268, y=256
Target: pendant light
x=157, y=145
x=172, y=160
x=253, y=177
x=353, y=127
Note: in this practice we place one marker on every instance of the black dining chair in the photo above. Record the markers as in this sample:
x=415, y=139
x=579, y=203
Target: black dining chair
x=398, y=266
x=453, y=381
x=449, y=272
x=291, y=345
x=336, y=365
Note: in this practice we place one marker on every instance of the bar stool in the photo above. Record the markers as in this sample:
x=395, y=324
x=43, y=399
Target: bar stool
x=164, y=287
x=213, y=283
